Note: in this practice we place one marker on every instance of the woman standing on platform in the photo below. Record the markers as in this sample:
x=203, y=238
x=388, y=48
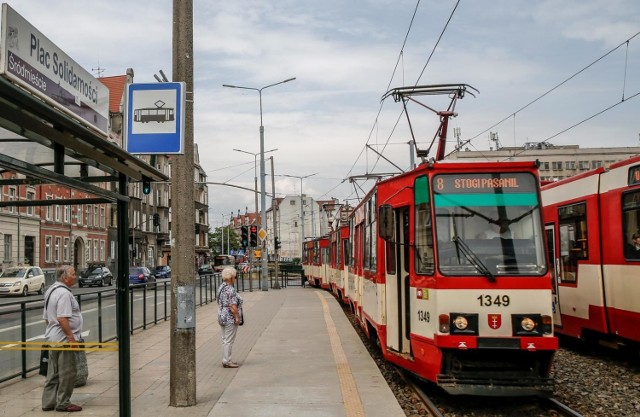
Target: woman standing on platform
x=229, y=314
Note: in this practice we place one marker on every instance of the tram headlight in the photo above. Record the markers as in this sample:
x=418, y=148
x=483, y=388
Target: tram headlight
x=528, y=324
x=461, y=323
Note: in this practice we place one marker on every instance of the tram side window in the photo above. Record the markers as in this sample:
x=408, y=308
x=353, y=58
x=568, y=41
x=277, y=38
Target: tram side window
x=324, y=256
x=370, y=235
x=574, y=245
x=424, y=240
x=631, y=225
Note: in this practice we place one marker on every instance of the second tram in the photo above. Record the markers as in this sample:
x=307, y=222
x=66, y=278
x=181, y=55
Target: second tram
x=593, y=234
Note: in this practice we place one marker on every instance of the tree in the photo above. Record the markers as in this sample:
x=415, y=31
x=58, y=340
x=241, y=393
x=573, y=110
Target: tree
x=215, y=240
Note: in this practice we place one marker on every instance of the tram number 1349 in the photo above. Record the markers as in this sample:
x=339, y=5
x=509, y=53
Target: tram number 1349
x=424, y=316
x=487, y=300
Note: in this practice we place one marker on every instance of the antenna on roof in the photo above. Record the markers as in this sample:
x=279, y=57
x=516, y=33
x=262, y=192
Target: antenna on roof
x=98, y=71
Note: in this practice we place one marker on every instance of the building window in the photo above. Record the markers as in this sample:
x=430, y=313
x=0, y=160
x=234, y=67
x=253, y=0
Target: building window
x=67, y=214
x=79, y=214
x=292, y=202
x=12, y=197
x=95, y=250
x=584, y=165
x=102, y=217
x=102, y=251
x=47, y=249
x=65, y=248
x=596, y=164
x=48, y=211
x=88, y=212
x=544, y=166
x=57, y=250
x=30, y=197
x=96, y=219
x=57, y=213
x=88, y=249
x=556, y=165
x=7, y=248
x=570, y=164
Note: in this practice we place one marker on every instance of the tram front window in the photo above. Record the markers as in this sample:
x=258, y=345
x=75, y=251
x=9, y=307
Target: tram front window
x=488, y=224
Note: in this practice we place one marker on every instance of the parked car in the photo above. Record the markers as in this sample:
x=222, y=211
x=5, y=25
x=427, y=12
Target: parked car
x=162, y=271
x=21, y=280
x=205, y=269
x=98, y=275
x=140, y=275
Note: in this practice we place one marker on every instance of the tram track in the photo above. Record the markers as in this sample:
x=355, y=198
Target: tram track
x=558, y=409
x=418, y=398
x=507, y=406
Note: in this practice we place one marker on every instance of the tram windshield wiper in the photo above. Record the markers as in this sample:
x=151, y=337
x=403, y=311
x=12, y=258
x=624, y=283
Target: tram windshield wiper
x=461, y=246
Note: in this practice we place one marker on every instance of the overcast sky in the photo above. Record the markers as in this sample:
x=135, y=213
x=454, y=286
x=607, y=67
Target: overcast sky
x=345, y=55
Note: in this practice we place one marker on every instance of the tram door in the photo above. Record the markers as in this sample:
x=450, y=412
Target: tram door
x=397, y=283
x=554, y=264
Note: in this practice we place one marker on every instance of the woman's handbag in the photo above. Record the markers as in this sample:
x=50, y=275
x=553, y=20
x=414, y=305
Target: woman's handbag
x=241, y=317
x=44, y=360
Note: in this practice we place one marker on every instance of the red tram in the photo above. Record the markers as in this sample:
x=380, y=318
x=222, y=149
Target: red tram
x=445, y=266
x=593, y=235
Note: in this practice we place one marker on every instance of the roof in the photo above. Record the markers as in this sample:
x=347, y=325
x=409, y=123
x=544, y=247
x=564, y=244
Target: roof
x=116, y=85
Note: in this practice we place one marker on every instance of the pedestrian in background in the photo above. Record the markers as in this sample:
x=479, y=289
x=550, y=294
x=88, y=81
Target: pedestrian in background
x=229, y=308
x=64, y=324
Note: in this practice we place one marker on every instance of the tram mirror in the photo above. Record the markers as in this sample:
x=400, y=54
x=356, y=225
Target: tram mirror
x=385, y=221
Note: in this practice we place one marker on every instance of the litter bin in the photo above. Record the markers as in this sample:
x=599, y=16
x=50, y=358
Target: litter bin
x=49, y=277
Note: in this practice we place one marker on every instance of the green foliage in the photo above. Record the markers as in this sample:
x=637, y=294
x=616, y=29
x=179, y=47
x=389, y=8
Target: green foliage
x=215, y=240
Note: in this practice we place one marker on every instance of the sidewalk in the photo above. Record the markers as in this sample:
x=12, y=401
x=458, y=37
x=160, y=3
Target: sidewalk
x=295, y=352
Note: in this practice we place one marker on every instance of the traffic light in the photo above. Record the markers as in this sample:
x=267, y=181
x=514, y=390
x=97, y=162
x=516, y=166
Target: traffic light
x=156, y=219
x=253, y=236
x=146, y=185
x=276, y=243
x=245, y=237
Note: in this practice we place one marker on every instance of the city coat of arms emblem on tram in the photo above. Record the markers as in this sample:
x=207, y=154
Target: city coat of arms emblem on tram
x=495, y=321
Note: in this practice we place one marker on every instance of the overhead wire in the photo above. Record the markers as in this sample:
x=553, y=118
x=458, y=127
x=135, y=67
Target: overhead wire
x=393, y=73
x=574, y=75
x=399, y=60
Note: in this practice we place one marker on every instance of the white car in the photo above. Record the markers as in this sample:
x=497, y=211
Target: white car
x=21, y=280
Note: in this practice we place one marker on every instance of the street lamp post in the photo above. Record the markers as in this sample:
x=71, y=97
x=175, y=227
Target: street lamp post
x=229, y=231
x=263, y=216
x=255, y=174
x=301, y=177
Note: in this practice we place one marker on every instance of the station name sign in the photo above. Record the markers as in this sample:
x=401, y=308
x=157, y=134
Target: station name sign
x=30, y=59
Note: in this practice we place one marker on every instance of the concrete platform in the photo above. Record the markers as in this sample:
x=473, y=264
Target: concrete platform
x=298, y=355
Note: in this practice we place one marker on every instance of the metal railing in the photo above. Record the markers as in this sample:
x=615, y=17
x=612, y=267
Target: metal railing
x=148, y=304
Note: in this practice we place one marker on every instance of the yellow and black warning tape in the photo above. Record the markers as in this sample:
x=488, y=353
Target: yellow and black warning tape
x=85, y=346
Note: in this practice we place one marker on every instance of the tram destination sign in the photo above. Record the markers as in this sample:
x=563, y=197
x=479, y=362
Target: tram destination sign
x=634, y=175
x=154, y=118
x=474, y=183
x=31, y=60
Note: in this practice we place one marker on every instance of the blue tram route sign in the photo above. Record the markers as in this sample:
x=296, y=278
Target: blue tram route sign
x=154, y=118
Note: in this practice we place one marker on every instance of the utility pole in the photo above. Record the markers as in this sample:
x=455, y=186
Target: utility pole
x=274, y=212
x=182, y=369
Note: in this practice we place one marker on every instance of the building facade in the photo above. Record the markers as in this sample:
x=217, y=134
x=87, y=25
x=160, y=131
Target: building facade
x=556, y=162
